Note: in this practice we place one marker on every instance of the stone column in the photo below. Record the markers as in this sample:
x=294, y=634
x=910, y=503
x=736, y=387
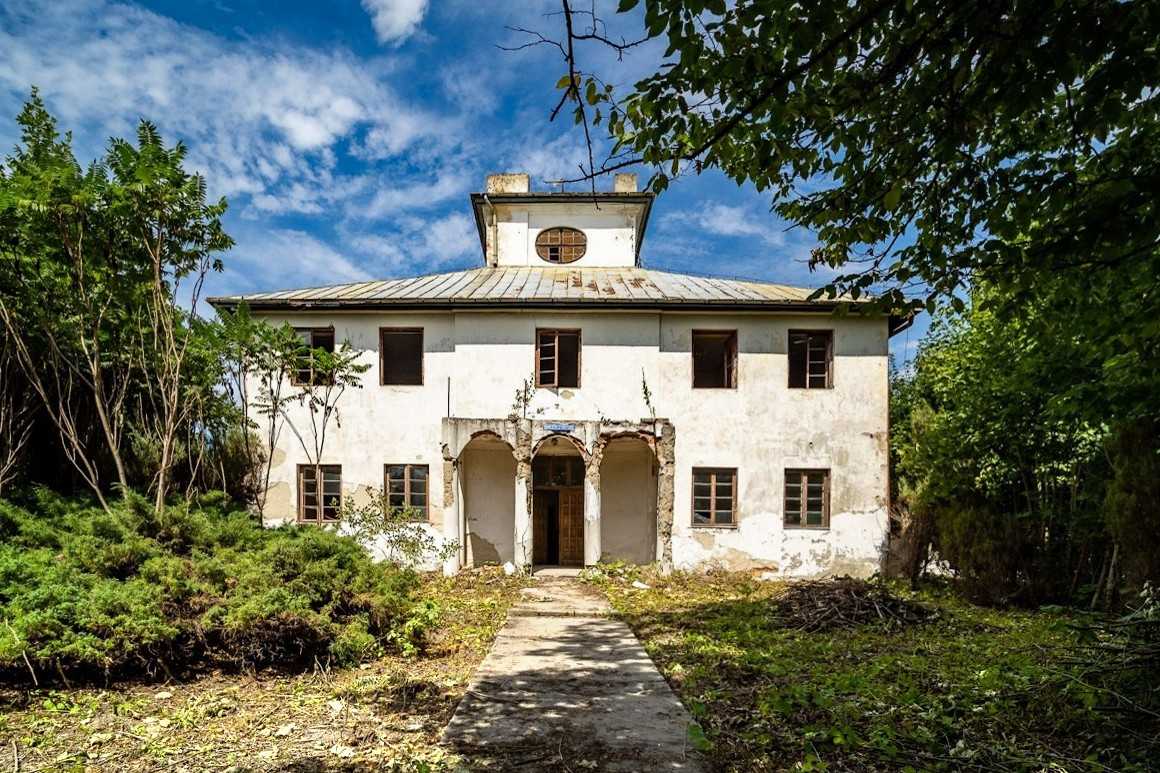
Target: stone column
x=451, y=521
x=523, y=515
x=666, y=471
x=592, y=514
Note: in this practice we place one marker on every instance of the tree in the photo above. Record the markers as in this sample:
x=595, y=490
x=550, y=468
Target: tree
x=929, y=145
x=162, y=213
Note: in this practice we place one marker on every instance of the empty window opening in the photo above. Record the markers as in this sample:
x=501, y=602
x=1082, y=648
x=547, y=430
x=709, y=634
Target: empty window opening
x=558, y=358
x=714, y=496
x=406, y=487
x=314, y=339
x=319, y=492
x=401, y=355
x=561, y=244
x=807, y=498
x=811, y=359
x=715, y=359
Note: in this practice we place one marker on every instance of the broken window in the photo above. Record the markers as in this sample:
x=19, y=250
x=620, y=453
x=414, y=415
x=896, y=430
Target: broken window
x=561, y=245
x=558, y=358
x=807, y=498
x=319, y=492
x=714, y=496
x=811, y=359
x=313, y=339
x=401, y=355
x=715, y=359
x=406, y=486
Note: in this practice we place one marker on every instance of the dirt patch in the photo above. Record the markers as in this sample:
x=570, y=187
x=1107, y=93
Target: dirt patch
x=843, y=602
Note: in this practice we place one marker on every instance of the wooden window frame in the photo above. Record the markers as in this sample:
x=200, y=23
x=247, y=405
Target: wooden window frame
x=579, y=249
x=713, y=472
x=732, y=367
x=294, y=380
x=801, y=473
x=383, y=355
x=319, y=482
x=407, y=467
x=829, y=334
x=579, y=355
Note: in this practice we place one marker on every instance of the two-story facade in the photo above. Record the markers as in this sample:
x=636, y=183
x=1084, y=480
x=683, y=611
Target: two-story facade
x=562, y=405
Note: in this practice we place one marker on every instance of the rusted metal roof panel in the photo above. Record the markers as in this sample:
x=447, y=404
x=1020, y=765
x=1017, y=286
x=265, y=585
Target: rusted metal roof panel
x=547, y=285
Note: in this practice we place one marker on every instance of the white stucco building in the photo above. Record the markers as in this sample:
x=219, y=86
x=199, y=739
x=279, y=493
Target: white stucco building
x=671, y=418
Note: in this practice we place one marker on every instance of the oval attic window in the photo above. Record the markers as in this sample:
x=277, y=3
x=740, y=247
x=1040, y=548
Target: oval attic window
x=561, y=244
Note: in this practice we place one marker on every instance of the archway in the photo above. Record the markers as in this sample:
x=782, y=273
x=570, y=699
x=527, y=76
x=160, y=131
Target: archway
x=487, y=473
x=558, y=503
x=628, y=499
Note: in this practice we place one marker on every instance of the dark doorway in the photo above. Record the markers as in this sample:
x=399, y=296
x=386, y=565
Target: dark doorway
x=558, y=511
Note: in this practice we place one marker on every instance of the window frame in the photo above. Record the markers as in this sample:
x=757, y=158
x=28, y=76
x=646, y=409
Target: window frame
x=829, y=334
x=320, y=520
x=731, y=364
x=579, y=356
x=801, y=473
x=542, y=248
x=294, y=372
x=407, y=467
x=383, y=355
x=712, y=472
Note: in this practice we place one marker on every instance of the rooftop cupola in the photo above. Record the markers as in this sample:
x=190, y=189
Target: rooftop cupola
x=578, y=229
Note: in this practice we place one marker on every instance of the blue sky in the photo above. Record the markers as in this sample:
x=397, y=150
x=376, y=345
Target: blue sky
x=346, y=135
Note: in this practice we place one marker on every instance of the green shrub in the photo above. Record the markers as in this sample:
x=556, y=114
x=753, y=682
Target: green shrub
x=85, y=592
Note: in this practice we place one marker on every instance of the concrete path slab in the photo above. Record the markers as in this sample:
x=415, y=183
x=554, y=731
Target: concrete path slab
x=566, y=686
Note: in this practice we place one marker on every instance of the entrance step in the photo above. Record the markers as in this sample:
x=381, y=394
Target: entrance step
x=561, y=598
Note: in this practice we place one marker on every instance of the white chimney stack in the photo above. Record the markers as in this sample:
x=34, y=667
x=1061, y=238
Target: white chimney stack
x=624, y=182
x=509, y=182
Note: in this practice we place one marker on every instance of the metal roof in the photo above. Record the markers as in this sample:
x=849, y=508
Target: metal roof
x=539, y=286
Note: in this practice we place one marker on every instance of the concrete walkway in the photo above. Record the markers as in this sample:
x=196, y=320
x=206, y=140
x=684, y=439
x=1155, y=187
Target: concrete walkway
x=566, y=687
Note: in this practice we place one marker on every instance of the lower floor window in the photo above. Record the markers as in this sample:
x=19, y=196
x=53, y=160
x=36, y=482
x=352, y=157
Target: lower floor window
x=406, y=486
x=714, y=496
x=319, y=492
x=807, y=498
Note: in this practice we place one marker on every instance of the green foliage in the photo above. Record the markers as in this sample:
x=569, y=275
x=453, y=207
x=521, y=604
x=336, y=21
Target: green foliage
x=87, y=591
x=998, y=437
x=398, y=533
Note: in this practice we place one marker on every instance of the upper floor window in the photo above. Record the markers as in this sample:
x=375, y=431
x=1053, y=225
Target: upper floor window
x=401, y=355
x=811, y=358
x=715, y=359
x=807, y=498
x=561, y=244
x=558, y=358
x=319, y=492
x=313, y=339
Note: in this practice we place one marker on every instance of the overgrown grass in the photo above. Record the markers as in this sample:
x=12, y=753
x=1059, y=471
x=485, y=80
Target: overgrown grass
x=967, y=689
x=90, y=594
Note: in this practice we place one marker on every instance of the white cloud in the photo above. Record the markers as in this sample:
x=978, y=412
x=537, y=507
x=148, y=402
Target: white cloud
x=260, y=119
x=295, y=258
x=421, y=245
x=726, y=220
x=395, y=20
x=419, y=194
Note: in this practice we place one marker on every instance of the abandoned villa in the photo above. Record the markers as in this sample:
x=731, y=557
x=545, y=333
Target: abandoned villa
x=563, y=405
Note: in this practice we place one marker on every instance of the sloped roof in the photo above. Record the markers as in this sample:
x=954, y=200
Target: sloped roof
x=538, y=286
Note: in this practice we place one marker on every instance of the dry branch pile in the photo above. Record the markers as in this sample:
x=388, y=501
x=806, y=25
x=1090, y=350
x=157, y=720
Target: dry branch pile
x=844, y=602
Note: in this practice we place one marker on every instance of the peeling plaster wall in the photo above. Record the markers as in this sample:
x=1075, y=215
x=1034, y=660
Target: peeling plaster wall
x=475, y=362
x=488, y=477
x=628, y=494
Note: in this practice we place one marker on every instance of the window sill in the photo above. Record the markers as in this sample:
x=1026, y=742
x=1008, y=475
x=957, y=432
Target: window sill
x=799, y=527
x=726, y=526
x=718, y=389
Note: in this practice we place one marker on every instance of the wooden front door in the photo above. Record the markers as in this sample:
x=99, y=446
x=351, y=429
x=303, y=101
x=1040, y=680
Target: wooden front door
x=544, y=509
x=571, y=526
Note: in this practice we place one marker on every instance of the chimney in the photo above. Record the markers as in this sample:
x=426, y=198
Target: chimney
x=508, y=182
x=624, y=182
